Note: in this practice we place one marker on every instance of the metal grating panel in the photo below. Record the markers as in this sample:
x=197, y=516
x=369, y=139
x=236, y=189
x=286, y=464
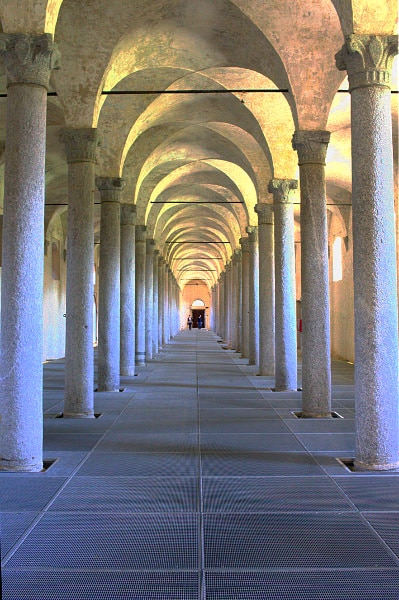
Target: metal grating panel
x=23, y=492
x=12, y=526
x=387, y=526
x=327, y=585
x=70, y=441
x=325, y=540
x=239, y=464
x=51, y=585
x=97, y=542
x=257, y=442
x=140, y=464
x=372, y=493
x=327, y=442
x=272, y=494
x=143, y=442
x=128, y=494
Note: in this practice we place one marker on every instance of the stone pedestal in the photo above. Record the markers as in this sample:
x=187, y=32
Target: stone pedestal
x=284, y=265
x=81, y=146
x=244, y=242
x=266, y=288
x=316, y=363
x=140, y=293
x=149, y=297
x=253, y=297
x=109, y=285
x=28, y=60
x=368, y=61
x=128, y=285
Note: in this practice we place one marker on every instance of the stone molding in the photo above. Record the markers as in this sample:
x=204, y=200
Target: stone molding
x=29, y=58
x=265, y=213
x=281, y=190
x=80, y=144
x=311, y=146
x=367, y=59
x=128, y=214
x=244, y=243
x=252, y=234
x=141, y=233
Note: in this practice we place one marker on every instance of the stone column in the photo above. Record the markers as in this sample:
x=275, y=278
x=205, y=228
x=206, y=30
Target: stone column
x=368, y=61
x=81, y=146
x=316, y=365
x=149, y=297
x=266, y=288
x=166, y=335
x=155, y=315
x=128, y=286
x=140, y=293
x=238, y=293
x=28, y=61
x=110, y=189
x=244, y=243
x=221, y=305
x=285, y=305
x=253, y=297
x=170, y=303
x=161, y=300
x=227, y=303
x=233, y=288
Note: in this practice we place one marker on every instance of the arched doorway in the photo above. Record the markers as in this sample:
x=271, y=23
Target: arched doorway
x=197, y=309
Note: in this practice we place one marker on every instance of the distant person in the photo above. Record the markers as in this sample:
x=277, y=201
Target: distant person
x=199, y=322
x=189, y=322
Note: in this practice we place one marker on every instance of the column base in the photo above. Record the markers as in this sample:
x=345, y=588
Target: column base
x=127, y=371
x=362, y=466
x=14, y=466
x=77, y=415
x=313, y=415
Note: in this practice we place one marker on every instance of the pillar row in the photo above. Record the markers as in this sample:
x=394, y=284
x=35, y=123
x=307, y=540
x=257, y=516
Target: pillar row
x=128, y=286
x=253, y=297
x=21, y=430
x=244, y=242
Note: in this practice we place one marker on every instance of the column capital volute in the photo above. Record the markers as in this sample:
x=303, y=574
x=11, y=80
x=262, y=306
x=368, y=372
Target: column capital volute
x=150, y=245
x=311, y=146
x=367, y=59
x=128, y=214
x=281, y=190
x=29, y=58
x=80, y=144
x=252, y=234
x=110, y=184
x=265, y=213
x=141, y=233
x=244, y=243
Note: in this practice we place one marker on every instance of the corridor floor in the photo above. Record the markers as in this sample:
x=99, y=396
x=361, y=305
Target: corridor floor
x=199, y=482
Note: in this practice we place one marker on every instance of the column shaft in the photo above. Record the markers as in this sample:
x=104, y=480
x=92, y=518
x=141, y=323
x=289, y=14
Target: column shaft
x=140, y=293
x=316, y=367
x=155, y=319
x=149, y=297
x=21, y=430
x=244, y=242
x=368, y=60
x=128, y=286
x=253, y=297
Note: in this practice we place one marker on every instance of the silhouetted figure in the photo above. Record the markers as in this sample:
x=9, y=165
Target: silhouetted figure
x=189, y=322
x=199, y=322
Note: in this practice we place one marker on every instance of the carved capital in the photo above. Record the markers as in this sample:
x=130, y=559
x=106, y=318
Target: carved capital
x=367, y=59
x=311, y=146
x=265, y=213
x=281, y=190
x=244, y=243
x=128, y=214
x=237, y=254
x=29, y=58
x=150, y=246
x=80, y=144
x=110, y=184
x=252, y=234
x=141, y=233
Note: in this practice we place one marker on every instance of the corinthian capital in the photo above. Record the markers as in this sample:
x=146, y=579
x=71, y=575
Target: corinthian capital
x=252, y=233
x=265, y=213
x=128, y=214
x=110, y=188
x=367, y=59
x=80, y=144
x=141, y=233
x=29, y=58
x=311, y=146
x=281, y=190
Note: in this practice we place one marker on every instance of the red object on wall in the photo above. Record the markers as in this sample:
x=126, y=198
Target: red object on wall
x=300, y=325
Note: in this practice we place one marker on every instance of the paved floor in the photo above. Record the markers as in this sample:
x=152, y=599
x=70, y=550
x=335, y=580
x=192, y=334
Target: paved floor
x=199, y=482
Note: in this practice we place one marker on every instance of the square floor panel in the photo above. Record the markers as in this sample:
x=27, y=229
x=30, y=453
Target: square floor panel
x=143, y=442
x=292, y=541
x=271, y=494
x=305, y=585
x=241, y=464
x=141, y=464
x=245, y=442
x=243, y=425
x=12, y=526
x=327, y=442
x=23, y=492
x=70, y=441
x=128, y=494
x=97, y=542
x=371, y=493
x=61, y=585
x=387, y=526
